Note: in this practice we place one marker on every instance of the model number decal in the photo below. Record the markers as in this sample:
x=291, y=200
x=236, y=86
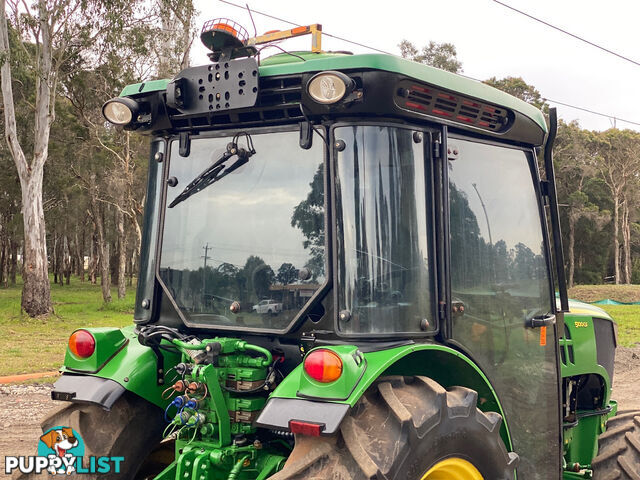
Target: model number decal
x=581, y=324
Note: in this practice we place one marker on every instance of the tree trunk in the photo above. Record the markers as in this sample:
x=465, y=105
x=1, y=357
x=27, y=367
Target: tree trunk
x=36, y=292
x=4, y=263
x=616, y=240
x=626, y=237
x=67, y=260
x=93, y=251
x=103, y=250
x=122, y=255
x=79, y=255
x=13, y=267
x=571, y=248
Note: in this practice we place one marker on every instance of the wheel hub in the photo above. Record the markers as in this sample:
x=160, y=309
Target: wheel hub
x=453, y=469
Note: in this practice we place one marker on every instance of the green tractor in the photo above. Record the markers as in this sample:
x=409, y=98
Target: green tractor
x=369, y=295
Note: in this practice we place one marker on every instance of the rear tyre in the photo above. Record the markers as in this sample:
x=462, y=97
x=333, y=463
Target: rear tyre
x=131, y=429
x=407, y=428
x=619, y=448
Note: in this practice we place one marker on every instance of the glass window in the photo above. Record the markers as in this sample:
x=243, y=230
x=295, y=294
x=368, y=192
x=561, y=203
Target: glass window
x=499, y=275
x=255, y=237
x=383, y=241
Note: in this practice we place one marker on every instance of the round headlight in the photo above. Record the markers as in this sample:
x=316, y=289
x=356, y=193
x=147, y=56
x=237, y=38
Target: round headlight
x=329, y=87
x=120, y=111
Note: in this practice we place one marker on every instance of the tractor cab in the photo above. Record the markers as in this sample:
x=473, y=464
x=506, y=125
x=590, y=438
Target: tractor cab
x=346, y=269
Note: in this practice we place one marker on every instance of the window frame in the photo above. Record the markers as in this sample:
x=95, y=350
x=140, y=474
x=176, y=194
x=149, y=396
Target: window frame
x=430, y=209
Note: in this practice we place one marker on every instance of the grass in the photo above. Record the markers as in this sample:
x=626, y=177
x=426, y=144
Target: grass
x=593, y=293
x=628, y=319
x=31, y=345
x=627, y=316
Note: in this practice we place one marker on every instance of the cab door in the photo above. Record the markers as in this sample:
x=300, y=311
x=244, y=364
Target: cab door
x=501, y=296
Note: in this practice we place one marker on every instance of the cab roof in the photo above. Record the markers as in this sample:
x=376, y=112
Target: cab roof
x=306, y=62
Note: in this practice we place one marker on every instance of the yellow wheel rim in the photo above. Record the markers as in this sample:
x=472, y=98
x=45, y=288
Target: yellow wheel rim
x=453, y=469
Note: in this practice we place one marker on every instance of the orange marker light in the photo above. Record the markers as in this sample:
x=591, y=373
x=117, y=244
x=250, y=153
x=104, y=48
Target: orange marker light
x=323, y=365
x=82, y=344
x=543, y=336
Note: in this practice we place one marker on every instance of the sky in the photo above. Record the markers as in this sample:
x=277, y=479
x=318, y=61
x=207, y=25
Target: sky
x=490, y=39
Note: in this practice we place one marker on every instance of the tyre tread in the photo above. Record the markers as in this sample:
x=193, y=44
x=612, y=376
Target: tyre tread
x=619, y=448
x=394, y=414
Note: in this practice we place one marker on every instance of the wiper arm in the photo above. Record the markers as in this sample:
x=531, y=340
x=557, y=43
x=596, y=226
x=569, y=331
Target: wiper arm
x=212, y=174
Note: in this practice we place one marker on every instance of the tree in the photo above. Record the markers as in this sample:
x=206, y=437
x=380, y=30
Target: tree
x=574, y=167
x=618, y=161
x=517, y=87
x=36, y=295
x=49, y=33
x=177, y=34
x=287, y=274
x=308, y=216
x=440, y=55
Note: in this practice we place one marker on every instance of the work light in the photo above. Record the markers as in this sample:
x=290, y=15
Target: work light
x=120, y=111
x=330, y=87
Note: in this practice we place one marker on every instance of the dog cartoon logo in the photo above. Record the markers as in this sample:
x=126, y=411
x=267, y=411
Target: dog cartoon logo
x=63, y=445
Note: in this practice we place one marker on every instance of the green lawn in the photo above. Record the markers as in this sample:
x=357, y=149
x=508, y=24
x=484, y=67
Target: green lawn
x=627, y=316
x=29, y=345
x=628, y=320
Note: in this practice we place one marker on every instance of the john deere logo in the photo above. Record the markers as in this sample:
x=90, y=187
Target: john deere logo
x=61, y=451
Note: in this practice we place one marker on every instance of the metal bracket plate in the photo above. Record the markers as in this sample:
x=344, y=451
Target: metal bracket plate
x=216, y=87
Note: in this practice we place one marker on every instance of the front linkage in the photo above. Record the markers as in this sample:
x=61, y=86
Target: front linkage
x=218, y=391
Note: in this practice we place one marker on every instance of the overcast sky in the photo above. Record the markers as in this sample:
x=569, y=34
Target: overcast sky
x=491, y=41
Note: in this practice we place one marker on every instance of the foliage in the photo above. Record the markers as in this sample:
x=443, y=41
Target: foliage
x=287, y=274
x=440, y=55
x=308, y=216
x=517, y=87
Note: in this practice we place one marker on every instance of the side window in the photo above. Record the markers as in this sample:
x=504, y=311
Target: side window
x=498, y=264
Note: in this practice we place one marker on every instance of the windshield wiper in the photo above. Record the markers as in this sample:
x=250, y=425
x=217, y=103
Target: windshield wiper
x=218, y=170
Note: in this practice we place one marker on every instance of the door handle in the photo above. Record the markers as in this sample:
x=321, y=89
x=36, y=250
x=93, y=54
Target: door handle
x=541, y=321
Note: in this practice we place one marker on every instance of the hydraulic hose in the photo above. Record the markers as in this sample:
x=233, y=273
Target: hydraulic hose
x=243, y=346
x=233, y=474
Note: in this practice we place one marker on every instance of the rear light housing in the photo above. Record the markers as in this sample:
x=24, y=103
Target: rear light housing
x=323, y=365
x=82, y=344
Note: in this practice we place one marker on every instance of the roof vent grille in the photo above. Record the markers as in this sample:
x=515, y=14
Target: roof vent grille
x=456, y=108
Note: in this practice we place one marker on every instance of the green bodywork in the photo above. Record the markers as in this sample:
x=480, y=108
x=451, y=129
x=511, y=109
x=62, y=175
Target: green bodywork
x=133, y=366
x=580, y=442
x=443, y=364
x=285, y=64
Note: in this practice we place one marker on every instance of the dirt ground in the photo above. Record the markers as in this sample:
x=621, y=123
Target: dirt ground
x=22, y=406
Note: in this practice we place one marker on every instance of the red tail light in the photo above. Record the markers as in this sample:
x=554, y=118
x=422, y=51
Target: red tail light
x=306, y=428
x=323, y=365
x=82, y=344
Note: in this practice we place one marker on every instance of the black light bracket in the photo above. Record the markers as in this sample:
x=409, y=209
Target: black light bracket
x=220, y=86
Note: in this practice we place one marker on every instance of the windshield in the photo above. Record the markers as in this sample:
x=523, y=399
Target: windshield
x=253, y=240
x=383, y=239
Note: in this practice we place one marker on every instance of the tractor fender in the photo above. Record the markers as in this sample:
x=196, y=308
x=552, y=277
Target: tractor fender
x=119, y=363
x=299, y=397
